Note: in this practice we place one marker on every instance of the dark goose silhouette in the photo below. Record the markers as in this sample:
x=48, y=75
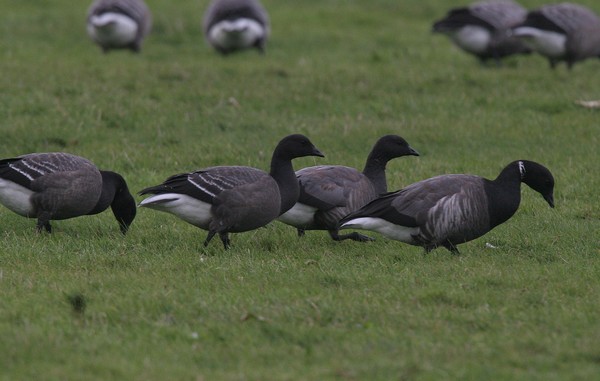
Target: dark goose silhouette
x=234, y=25
x=562, y=32
x=449, y=210
x=483, y=29
x=119, y=24
x=329, y=192
x=58, y=186
x=233, y=199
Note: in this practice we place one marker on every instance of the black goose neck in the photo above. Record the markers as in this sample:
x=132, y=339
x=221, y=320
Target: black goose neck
x=375, y=171
x=111, y=183
x=511, y=175
x=504, y=194
x=283, y=173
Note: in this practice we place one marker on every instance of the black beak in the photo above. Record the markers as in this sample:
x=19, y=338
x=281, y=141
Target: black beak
x=549, y=199
x=316, y=152
x=413, y=151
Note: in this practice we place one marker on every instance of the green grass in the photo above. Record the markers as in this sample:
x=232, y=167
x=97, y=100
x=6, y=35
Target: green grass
x=159, y=306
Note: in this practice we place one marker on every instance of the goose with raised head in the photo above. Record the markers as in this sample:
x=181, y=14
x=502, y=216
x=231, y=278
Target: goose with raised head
x=448, y=210
x=233, y=199
x=58, y=186
x=119, y=24
x=483, y=29
x=329, y=192
x=562, y=32
x=234, y=25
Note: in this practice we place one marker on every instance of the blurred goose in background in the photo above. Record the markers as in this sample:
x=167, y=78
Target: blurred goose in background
x=119, y=24
x=233, y=199
x=57, y=186
x=329, y=192
x=562, y=32
x=449, y=210
x=483, y=29
x=233, y=25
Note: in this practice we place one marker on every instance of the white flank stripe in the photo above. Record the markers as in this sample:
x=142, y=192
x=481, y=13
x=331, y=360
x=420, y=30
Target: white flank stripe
x=200, y=187
x=33, y=167
x=22, y=172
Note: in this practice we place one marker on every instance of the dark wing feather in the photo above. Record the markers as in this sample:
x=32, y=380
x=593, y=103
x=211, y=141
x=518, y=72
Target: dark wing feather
x=569, y=17
x=25, y=169
x=499, y=14
x=8, y=172
x=425, y=194
x=136, y=9
x=382, y=207
x=327, y=187
x=458, y=18
x=220, y=10
x=206, y=184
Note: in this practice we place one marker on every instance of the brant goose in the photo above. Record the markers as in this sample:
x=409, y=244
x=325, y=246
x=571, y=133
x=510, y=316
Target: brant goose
x=233, y=25
x=118, y=24
x=449, y=210
x=233, y=199
x=562, y=32
x=329, y=192
x=57, y=186
x=483, y=29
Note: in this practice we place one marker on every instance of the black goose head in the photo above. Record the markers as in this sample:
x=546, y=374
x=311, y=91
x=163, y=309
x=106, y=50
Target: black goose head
x=115, y=194
x=538, y=178
x=391, y=146
x=296, y=145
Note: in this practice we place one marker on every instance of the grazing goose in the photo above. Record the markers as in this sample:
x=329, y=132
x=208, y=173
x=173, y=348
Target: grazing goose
x=233, y=199
x=118, y=24
x=562, y=32
x=483, y=29
x=233, y=25
x=449, y=210
x=57, y=186
x=329, y=192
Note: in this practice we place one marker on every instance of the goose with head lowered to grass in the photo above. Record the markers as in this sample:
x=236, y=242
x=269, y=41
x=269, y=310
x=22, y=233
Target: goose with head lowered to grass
x=483, y=29
x=449, y=210
x=58, y=186
x=119, y=24
x=329, y=192
x=561, y=32
x=235, y=25
x=233, y=199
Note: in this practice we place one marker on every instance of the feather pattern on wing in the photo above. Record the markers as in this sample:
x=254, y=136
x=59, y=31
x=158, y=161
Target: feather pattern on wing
x=207, y=183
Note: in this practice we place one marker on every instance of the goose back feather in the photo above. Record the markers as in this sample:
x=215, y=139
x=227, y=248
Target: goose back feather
x=561, y=32
x=57, y=186
x=234, y=25
x=119, y=24
x=451, y=209
x=329, y=192
x=233, y=199
x=482, y=28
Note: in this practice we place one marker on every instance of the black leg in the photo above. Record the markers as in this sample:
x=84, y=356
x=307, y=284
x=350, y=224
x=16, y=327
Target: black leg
x=211, y=234
x=301, y=232
x=225, y=239
x=43, y=223
x=453, y=249
x=353, y=236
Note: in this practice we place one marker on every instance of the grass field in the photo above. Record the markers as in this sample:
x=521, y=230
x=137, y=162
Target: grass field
x=160, y=306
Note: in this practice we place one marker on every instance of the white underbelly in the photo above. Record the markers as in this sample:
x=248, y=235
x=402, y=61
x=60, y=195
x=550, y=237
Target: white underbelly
x=16, y=198
x=112, y=29
x=472, y=38
x=300, y=215
x=381, y=226
x=187, y=208
x=237, y=34
x=549, y=44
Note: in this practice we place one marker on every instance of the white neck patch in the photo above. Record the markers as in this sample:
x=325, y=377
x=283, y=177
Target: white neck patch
x=522, y=169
